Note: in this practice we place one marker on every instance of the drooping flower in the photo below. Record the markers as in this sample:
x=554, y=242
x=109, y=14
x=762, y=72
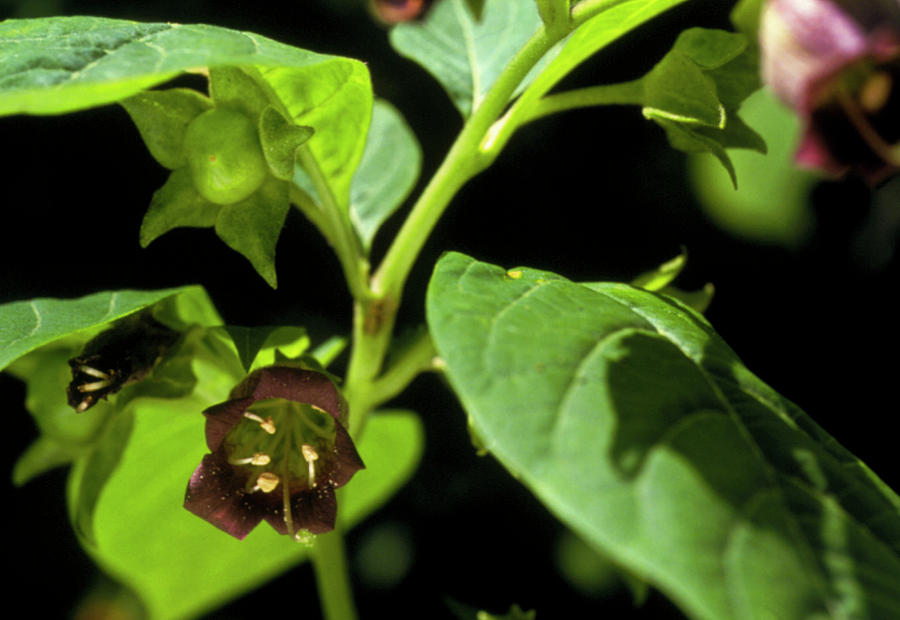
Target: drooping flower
x=836, y=62
x=121, y=355
x=279, y=449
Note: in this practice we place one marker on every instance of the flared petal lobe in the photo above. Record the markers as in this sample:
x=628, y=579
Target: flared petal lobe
x=836, y=63
x=278, y=451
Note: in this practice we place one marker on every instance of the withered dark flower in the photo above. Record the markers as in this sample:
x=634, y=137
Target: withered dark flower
x=279, y=449
x=836, y=63
x=123, y=354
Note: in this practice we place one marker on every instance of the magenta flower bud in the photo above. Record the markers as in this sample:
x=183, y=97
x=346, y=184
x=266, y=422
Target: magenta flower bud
x=836, y=62
x=278, y=451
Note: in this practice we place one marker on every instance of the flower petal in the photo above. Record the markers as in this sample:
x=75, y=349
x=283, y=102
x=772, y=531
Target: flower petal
x=346, y=460
x=314, y=510
x=295, y=384
x=222, y=418
x=216, y=493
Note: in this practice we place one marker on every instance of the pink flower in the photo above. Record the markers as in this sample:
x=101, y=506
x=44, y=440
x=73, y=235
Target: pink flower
x=279, y=450
x=835, y=62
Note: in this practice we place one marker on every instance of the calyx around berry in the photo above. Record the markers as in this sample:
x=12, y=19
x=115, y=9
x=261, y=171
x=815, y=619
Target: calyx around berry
x=224, y=155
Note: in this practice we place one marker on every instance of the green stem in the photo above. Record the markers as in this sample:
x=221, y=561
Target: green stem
x=464, y=161
x=625, y=93
x=333, y=577
x=374, y=316
x=334, y=224
x=587, y=9
x=415, y=359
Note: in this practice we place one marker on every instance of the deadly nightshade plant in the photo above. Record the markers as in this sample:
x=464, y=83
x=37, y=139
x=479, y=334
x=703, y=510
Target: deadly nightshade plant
x=836, y=63
x=279, y=449
x=616, y=404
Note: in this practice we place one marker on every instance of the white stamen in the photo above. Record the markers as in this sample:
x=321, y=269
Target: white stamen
x=93, y=387
x=89, y=370
x=267, y=425
x=310, y=456
x=259, y=458
x=83, y=405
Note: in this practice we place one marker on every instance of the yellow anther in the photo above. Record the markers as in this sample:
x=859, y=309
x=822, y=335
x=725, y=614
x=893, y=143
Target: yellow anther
x=267, y=425
x=875, y=92
x=259, y=458
x=266, y=482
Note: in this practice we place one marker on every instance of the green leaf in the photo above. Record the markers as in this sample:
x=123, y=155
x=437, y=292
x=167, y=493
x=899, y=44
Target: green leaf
x=65, y=435
x=62, y=64
x=335, y=99
x=174, y=205
x=464, y=54
x=253, y=225
x=280, y=140
x=180, y=565
x=162, y=116
x=250, y=341
x=27, y=325
x=387, y=173
x=771, y=204
x=663, y=275
x=636, y=425
x=592, y=36
x=695, y=91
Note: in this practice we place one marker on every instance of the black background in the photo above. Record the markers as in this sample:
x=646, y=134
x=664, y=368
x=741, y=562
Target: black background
x=817, y=323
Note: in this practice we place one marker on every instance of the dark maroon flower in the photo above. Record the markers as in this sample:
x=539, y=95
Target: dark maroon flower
x=279, y=450
x=836, y=62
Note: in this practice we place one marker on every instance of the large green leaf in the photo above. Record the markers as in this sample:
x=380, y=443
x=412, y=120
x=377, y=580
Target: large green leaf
x=27, y=325
x=62, y=64
x=628, y=416
x=466, y=54
x=388, y=170
x=180, y=565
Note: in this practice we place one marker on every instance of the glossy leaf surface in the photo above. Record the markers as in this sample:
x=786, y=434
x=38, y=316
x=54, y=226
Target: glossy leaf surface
x=632, y=421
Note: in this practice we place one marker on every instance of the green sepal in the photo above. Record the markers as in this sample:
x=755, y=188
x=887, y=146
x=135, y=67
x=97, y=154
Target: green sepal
x=251, y=227
x=280, y=140
x=656, y=279
x=174, y=205
x=161, y=117
x=698, y=300
x=249, y=342
x=234, y=88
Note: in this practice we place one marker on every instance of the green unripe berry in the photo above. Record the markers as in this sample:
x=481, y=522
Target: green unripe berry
x=224, y=155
